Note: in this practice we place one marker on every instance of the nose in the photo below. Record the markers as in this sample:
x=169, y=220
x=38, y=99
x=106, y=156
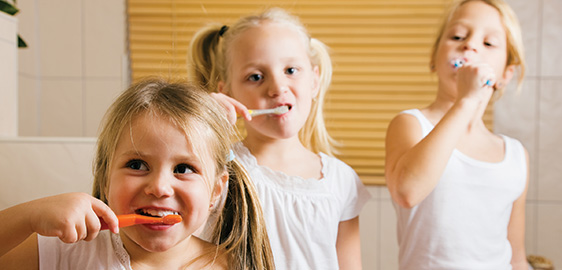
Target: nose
x=159, y=185
x=469, y=45
x=277, y=86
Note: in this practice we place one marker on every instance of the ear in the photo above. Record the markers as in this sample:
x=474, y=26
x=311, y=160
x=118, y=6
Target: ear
x=316, y=81
x=222, y=88
x=508, y=74
x=220, y=185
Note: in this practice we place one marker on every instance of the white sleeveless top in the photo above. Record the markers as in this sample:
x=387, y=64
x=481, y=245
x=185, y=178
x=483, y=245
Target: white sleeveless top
x=462, y=224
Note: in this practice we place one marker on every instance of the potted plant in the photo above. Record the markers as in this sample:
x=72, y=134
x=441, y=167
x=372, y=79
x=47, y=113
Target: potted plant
x=11, y=9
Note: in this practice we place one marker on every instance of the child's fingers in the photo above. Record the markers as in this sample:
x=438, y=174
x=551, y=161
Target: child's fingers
x=105, y=213
x=93, y=226
x=233, y=107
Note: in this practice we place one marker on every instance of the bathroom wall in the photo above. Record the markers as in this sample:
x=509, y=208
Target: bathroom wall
x=76, y=65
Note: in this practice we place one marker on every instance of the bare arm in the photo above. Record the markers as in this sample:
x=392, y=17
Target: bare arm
x=71, y=217
x=348, y=245
x=25, y=256
x=413, y=165
x=516, y=229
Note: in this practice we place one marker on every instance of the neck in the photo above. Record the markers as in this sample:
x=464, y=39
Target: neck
x=180, y=256
x=279, y=148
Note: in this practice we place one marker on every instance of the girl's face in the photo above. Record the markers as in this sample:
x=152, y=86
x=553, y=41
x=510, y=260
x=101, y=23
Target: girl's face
x=270, y=67
x=474, y=34
x=156, y=172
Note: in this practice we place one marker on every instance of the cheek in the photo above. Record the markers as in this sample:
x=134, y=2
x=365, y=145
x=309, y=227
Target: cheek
x=118, y=194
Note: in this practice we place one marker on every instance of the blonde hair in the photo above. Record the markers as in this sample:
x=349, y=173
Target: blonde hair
x=243, y=235
x=208, y=65
x=515, y=52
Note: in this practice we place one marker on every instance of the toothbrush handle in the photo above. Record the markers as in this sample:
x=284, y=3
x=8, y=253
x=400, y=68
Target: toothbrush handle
x=131, y=219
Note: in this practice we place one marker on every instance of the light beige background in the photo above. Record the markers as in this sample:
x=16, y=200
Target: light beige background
x=77, y=63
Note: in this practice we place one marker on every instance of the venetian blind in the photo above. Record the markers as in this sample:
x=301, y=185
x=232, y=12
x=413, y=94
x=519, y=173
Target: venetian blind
x=380, y=52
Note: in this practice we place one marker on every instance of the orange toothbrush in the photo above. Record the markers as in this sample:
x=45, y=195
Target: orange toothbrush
x=134, y=219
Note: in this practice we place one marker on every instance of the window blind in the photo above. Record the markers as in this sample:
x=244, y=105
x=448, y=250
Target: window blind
x=380, y=52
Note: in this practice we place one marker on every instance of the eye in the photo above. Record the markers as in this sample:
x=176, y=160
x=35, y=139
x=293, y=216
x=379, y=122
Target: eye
x=291, y=70
x=456, y=37
x=183, y=169
x=255, y=77
x=488, y=44
x=137, y=165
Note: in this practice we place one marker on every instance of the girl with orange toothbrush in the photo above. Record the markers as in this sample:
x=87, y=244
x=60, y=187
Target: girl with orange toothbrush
x=164, y=150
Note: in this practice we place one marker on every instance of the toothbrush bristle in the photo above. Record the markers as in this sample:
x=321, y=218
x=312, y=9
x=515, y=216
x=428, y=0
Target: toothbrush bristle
x=281, y=109
x=457, y=63
x=171, y=219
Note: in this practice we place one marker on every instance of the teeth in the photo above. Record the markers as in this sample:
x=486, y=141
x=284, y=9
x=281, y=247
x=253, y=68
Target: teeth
x=157, y=213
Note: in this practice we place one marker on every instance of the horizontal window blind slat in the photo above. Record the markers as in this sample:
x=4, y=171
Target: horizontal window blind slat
x=380, y=51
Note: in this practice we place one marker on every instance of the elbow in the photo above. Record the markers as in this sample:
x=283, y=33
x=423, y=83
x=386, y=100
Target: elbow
x=403, y=195
x=405, y=200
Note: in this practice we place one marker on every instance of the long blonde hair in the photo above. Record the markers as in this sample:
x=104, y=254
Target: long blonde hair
x=243, y=236
x=515, y=51
x=208, y=65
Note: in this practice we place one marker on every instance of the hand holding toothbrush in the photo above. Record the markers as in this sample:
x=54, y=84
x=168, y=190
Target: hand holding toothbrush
x=475, y=83
x=71, y=217
x=233, y=107
x=236, y=109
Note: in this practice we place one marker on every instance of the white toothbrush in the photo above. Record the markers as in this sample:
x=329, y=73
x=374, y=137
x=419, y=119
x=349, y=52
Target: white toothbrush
x=279, y=110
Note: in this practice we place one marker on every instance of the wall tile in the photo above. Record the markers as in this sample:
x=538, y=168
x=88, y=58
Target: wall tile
x=388, y=237
x=529, y=14
x=99, y=94
x=550, y=148
x=27, y=28
x=8, y=75
x=61, y=167
x=385, y=194
x=369, y=221
x=61, y=108
x=549, y=228
x=60, y=34
x=28, y=109
x=551, y=38
x=104, y=36
x=531, y=227
x=515, y=115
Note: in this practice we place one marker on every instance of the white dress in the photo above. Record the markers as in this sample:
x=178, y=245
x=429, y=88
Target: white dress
x=106, y=251
x=302, y=215
x=462, y=223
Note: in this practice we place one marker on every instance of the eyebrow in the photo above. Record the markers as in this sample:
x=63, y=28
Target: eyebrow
x=489, y=30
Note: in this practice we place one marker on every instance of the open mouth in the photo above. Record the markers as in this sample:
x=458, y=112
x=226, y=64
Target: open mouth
x=155, y=212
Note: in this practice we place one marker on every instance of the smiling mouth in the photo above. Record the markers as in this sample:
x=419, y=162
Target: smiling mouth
x=155, y=212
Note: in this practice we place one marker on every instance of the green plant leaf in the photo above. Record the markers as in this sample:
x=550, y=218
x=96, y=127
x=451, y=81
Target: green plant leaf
x=8, y=8
x=21, y=43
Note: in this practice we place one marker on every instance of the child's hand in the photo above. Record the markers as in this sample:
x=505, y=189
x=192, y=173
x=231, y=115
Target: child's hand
x=71, y=217
x=475, y=81
x=233, y=107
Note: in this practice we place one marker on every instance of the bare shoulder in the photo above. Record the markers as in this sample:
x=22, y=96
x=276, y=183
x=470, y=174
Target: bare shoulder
x=402, y=128
x=24, y=256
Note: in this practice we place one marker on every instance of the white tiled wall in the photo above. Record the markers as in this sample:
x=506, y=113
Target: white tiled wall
x=8, y=75
x=32, y=168
x=73, y=67
x=534, y=116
